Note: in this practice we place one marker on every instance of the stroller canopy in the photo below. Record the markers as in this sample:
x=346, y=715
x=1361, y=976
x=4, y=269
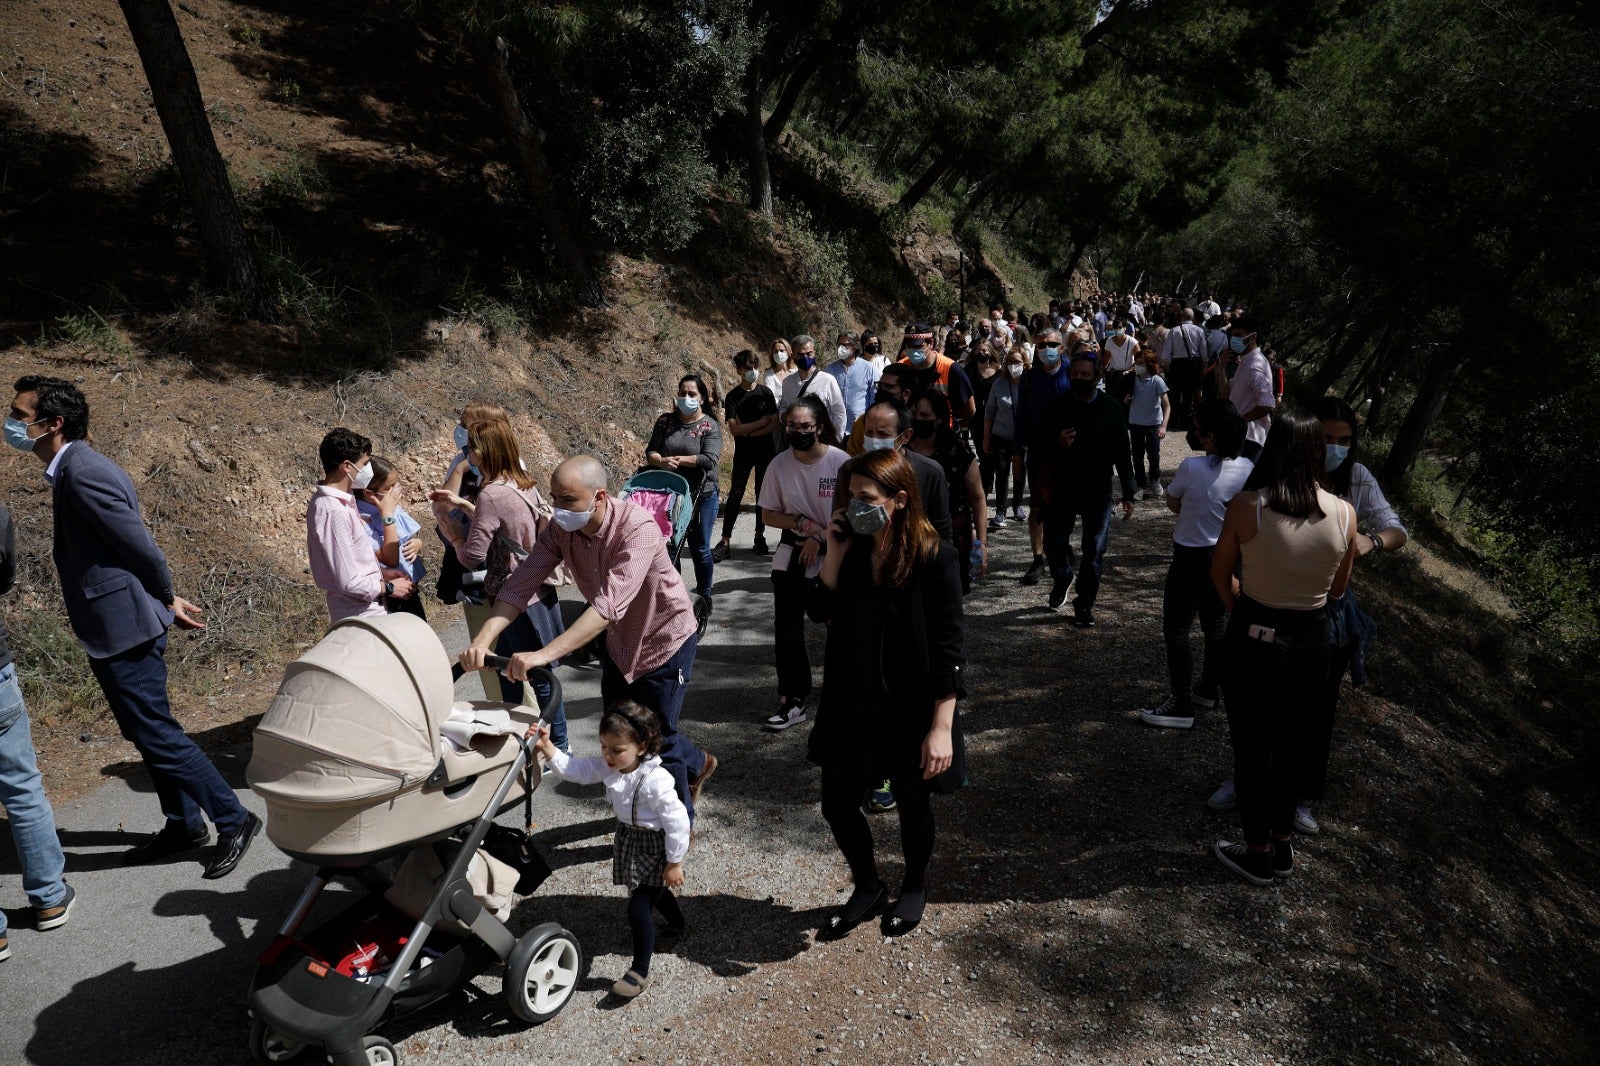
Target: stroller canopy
x=357, y=717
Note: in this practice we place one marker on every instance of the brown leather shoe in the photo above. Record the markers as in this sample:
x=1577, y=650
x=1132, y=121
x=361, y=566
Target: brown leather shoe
x=702, y=777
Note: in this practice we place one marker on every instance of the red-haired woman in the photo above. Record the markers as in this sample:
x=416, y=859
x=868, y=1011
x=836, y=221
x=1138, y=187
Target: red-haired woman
x=890, y=594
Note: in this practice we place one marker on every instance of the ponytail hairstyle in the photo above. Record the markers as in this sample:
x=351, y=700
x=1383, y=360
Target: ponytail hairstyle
x=912, y=539
x=1334, y=409
x=1290, y=464
x=638, y=723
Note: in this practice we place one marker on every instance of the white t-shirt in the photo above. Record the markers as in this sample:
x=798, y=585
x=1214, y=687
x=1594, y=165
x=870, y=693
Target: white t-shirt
x=796, y=488
x=1205, y=485
x=772, y=381
x=1121, y=354
x=1250, y=388
x=823, y=387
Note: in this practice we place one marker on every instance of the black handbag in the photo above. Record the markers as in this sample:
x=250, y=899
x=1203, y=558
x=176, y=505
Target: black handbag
x=513, y=846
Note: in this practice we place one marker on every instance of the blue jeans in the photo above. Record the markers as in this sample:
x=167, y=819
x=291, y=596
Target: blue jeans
x=1065, y=508
x=33, y=823
x=702, y=527
x=523, y=635
x=662, y=690
x=135, y=684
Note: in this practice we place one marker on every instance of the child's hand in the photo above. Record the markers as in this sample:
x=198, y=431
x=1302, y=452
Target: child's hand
x=543, y=743
x=672, y=877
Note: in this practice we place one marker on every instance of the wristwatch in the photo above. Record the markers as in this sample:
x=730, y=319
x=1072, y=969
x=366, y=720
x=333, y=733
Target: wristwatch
x=388, y=588
x=1377, y=542
x=388, y=519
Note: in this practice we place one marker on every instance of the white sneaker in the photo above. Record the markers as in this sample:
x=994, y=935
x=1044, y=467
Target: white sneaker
x=1304, y=821
x=1223, y=799
x=1162, y=715
x=1156, y=491
x=1138, y=494
x=791, y=715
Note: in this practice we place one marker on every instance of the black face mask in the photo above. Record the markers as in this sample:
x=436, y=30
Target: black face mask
x=802, y=442
x=874, y=348
x=886, y=396
x=923, y=428
x=1082, y=389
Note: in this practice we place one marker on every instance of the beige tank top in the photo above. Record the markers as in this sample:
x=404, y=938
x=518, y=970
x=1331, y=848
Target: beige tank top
x=1290, y=562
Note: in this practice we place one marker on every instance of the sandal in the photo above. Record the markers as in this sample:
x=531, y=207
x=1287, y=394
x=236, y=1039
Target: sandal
x=630, y=984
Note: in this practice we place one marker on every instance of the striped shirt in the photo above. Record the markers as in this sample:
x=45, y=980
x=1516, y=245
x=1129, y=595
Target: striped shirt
x=624, y=572
x=343, y=563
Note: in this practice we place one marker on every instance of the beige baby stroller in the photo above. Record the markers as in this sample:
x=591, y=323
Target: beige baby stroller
x=354, y=770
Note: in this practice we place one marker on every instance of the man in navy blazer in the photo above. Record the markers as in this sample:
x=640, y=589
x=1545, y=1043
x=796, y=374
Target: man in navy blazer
x=120, y=602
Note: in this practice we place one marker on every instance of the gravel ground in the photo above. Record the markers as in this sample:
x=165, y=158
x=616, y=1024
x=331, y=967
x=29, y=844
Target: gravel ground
x=1075, y=914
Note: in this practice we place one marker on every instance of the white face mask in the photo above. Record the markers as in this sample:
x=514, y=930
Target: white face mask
x=780, y=358
x=363, y=478
x=572, y=521
x=845, y=351
x=877, y=444
x=1014, y=369
x=750, y=377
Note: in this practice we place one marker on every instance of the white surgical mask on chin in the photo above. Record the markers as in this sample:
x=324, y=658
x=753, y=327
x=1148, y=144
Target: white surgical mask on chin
x=363, y=478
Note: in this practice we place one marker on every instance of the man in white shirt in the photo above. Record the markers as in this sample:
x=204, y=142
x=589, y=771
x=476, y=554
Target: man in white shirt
x=1250, y=389
x=1209, y=308
x=1183, y=355
x=808, y=380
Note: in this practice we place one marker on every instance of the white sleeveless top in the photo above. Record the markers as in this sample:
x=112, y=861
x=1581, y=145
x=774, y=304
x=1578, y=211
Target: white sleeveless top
x=1290, y=562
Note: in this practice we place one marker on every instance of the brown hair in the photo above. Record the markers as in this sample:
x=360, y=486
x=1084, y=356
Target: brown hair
x=482, y=411
x=498, y=454
x=626, y=718
x=912, y=539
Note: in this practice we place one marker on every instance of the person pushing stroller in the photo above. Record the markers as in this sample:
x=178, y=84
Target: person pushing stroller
x=618, y=560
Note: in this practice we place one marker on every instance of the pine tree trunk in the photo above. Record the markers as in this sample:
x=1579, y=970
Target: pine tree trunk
x=176, y=93
x=924, y=185
x=1413, y=431
x=760, y=175
x=492, y=58
x=783, y=109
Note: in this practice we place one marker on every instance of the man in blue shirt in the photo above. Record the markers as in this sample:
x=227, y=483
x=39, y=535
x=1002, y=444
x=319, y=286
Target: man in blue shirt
x=857, y=378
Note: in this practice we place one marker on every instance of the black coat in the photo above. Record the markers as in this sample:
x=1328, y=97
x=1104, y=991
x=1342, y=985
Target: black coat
x=890, y=654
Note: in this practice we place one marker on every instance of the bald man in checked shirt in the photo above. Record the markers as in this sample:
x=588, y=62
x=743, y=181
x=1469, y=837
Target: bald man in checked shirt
x=618, y=559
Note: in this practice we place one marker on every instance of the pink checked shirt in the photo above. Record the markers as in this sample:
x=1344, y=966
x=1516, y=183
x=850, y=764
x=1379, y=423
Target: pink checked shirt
x=623, y=571
x=343, y=563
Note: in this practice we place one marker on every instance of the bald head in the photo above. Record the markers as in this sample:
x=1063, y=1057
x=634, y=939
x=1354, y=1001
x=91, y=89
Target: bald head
x=578, y=472
x=1188, y=314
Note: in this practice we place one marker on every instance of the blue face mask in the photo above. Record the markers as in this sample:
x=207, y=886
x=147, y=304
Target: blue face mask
x=688, y=404
x=1050, y=354
x=919, y=356
x=1237, y=344
x=461, y=438
x=17, y=435
x=1337, y=454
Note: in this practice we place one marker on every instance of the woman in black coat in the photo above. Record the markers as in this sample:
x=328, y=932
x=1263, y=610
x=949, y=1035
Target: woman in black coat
x=890, y=594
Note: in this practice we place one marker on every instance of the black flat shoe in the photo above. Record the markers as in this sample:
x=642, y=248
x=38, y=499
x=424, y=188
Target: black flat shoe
x=905, y=915
x=231, y=849
x=174, y=839
x=848, y=917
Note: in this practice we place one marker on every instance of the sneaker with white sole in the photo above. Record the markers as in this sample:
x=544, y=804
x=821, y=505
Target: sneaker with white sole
x=1164, y=715
x=1138, y=494
x=54, y=917
x=790, y=714
x=1019, y=514
x=1204, y=702
x=1253, y=866
x=1223, y=799
x=5, y=949
x=1304, y=821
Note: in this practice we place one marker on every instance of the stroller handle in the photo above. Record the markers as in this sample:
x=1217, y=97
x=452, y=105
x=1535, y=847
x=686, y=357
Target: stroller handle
x=538, y=673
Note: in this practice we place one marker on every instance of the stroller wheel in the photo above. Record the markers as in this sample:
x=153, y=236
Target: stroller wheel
x=380, y=1052
x=269, y=1045
x=542, y=972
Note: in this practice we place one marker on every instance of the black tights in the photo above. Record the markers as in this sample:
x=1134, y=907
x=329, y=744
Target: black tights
x=645, y=899
x=841, y=807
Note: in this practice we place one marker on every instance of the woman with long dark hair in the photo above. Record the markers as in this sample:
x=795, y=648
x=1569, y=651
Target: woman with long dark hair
x=1292, y=543
x=688, y=441
x=890, y=593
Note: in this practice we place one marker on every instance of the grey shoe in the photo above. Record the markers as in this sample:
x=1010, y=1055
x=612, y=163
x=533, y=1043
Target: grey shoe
x=1304, y=821
x=1223, y=799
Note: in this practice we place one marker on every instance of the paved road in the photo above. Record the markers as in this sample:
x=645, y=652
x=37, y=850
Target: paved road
x=155, y=962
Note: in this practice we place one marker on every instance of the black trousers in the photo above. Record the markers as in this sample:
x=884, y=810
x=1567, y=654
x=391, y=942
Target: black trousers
x=1183, y=378
x=789, y=631
x=1189, y=592
x=1270, y=685
x=1004, y=461
x=745, y=460
x=841, y=808
x=1316, y=740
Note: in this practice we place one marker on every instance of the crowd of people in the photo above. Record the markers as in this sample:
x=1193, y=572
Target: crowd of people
x=882, y=478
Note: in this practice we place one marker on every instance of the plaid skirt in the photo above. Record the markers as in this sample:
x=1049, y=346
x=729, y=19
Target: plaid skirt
x=638, y=856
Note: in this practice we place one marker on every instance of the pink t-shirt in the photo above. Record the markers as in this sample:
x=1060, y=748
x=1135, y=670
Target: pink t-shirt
x=622, y=569
x=796, y=488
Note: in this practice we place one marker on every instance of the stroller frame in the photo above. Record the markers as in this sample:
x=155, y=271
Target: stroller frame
x=299, y=1000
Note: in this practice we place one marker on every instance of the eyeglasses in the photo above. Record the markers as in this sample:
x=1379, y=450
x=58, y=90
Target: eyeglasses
x=792, y=428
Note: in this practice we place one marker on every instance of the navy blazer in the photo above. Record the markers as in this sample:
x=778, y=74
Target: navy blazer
x=113, y=577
